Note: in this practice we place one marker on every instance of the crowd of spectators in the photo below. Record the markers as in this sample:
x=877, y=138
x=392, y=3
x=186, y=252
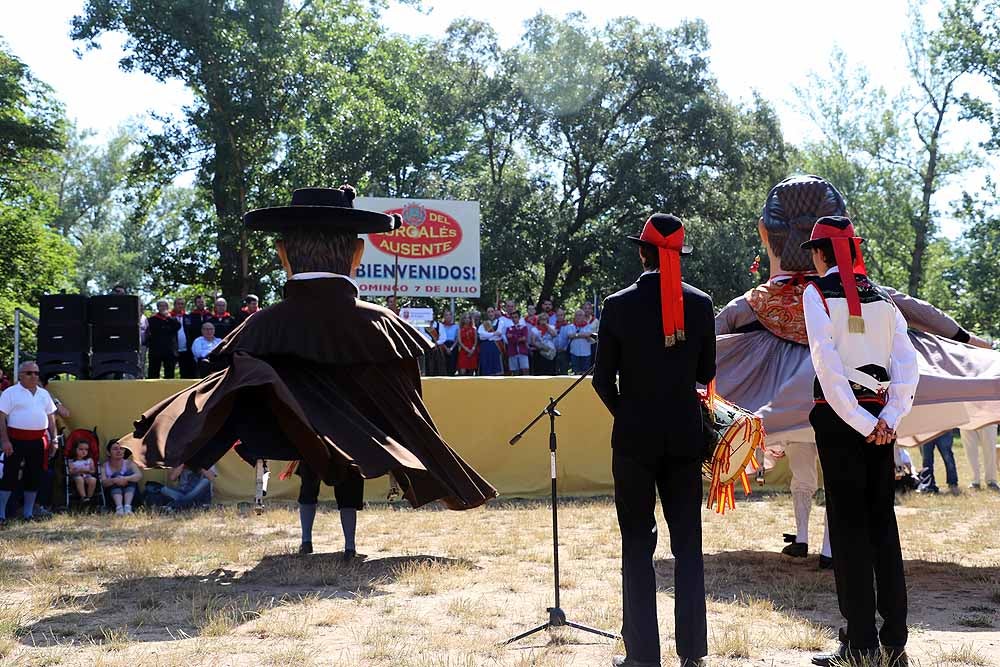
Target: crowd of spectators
x=44, y=466
x=511, y=340
x=176, y=341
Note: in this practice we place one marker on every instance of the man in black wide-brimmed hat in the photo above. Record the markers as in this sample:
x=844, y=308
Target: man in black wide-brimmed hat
x=341, y=395
x=657, y=342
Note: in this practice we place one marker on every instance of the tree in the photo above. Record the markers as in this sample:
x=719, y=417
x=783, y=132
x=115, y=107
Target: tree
x=578, y=134
x=976, y=273
x=887, y=155
x=35, y=259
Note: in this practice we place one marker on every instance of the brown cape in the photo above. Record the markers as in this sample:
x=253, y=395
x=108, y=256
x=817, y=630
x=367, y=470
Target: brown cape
x=323, y=377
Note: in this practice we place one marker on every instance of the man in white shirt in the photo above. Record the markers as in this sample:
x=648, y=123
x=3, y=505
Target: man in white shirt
x=448, y=340
x=203, y=346
x=866, y=376
x=27, y=425
x=504, y=319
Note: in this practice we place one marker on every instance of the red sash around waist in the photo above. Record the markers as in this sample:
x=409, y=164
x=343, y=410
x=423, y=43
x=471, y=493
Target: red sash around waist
x=31, y=435
x=27, y=434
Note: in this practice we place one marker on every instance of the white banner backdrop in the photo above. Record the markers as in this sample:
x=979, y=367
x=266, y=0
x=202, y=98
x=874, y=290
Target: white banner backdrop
x=435, y=253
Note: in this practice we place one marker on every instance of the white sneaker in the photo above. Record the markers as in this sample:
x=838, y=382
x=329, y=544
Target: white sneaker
x=127, y=508
x=119, y=510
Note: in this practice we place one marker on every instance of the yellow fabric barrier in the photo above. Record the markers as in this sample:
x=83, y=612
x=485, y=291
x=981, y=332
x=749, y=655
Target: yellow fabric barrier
x=477, y=416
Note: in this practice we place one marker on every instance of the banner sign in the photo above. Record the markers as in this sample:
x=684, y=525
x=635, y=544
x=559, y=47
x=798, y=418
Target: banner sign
x=418, y=317
x=435, y=253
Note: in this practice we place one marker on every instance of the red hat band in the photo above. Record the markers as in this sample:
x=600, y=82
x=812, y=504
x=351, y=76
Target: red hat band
x=671, y=293
x=842, y=238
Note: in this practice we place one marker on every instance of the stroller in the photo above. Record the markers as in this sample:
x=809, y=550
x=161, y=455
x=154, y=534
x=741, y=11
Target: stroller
x=73, y=499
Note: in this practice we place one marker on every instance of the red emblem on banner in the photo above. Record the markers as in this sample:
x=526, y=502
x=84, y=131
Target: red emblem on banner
x=425, y=233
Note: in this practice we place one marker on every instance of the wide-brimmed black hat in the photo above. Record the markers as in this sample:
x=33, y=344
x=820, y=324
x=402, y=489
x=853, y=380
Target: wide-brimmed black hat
x=327, y=209
x=662, y=225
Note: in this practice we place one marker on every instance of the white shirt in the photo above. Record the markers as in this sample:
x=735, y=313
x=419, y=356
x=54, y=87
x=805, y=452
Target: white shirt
x=26, y=410
x=182, y=345
x=488, y=335
x=447, y=333
x=202, y=347
x=885, y=336
x=504, y=323
x=313, y=275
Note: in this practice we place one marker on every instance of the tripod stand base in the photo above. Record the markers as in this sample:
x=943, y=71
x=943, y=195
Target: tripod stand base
x=557, y=619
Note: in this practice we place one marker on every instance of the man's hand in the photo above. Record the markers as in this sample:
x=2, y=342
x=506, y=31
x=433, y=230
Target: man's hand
x=976, y=341
x=8, y=447
x=882, y=434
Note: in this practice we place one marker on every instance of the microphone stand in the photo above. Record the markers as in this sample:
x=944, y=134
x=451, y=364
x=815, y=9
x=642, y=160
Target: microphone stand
x=557, y=617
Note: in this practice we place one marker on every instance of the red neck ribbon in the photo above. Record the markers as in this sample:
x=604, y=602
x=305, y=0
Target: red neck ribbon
x=671, y=293
x=847, y=269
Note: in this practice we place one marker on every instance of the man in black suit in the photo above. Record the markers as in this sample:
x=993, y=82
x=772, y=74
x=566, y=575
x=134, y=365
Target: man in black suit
x=658, y=341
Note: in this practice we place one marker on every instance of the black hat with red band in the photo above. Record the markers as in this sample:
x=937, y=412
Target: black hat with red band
x=666, y=233
x=838, y=232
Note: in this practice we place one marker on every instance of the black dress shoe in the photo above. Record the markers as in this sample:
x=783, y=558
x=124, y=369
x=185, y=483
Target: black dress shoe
x=796, y=550
x=350, y=555
x=306, y=548
x=844, y=656
x=624, y=661
x=895, y=656
x=825, y=562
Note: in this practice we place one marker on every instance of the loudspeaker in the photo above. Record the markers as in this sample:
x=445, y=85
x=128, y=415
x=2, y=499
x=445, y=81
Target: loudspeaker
x=113, y=309
x=63, y=338
x=114, y=363
x=55, y=363
x=115, y=338
x=62, y=309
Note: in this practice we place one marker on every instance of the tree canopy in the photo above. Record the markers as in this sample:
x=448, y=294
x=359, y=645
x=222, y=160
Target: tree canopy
x=569, y=139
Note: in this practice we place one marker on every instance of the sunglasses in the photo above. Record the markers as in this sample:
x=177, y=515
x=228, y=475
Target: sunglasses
x=29, y=372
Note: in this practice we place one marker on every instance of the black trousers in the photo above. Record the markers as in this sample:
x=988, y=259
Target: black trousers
x=31, y=455
x=168, y=361
x=186, y=365
x=350, y=493
x=867, y=561
x=678, y=482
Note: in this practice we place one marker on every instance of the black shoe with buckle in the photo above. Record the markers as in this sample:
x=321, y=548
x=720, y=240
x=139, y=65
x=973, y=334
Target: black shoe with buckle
x=624, y=661
x=795, y=549
x=895, y=656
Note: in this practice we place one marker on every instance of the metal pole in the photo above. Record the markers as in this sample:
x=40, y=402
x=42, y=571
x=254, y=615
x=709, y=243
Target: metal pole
x=17, y=342
x=453, y=309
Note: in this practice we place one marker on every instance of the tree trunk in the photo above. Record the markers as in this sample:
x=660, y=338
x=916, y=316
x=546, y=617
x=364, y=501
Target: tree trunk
x=230, y=238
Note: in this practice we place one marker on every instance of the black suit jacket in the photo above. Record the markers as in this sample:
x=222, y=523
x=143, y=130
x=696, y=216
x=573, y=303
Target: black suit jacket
x=649, y=388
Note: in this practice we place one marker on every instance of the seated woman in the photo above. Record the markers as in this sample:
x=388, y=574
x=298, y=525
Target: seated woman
x=193, y=487
x=120, y=477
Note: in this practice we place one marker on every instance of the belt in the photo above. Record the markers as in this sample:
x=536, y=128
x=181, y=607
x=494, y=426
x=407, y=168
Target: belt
x=856, y=377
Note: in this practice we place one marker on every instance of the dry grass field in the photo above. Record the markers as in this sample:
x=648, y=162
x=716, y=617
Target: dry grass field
x=441, y=589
